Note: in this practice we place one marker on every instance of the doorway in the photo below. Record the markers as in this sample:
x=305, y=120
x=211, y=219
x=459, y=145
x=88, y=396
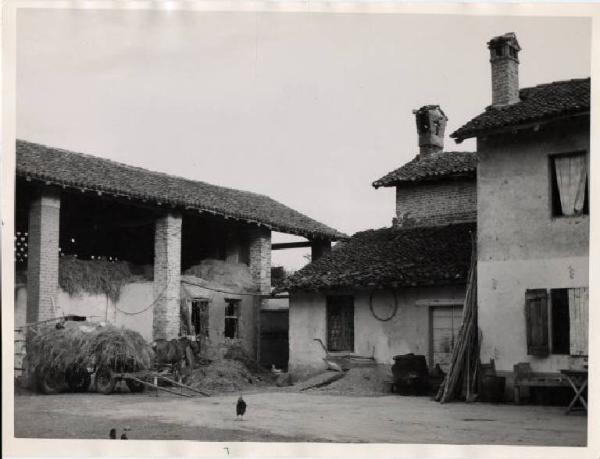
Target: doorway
x=340, y=323
x=445, y=322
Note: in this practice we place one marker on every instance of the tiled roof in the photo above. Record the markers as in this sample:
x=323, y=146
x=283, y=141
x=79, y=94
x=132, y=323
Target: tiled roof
x=66, y=168
x=435, y=166
x=392, y=257
x=538, y=103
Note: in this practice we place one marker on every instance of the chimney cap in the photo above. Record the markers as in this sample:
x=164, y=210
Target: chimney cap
x=427, y=108
x=509, y=38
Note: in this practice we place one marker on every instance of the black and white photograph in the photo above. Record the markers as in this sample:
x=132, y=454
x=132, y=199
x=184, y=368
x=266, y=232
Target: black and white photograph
x=316, y=226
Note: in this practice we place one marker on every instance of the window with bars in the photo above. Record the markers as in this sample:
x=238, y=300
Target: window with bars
x=340, y=323
x=232, y=314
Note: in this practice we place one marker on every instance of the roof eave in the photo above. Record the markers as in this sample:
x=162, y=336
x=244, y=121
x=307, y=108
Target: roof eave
x=427, y=179
x=459, y=135
x=30, y=176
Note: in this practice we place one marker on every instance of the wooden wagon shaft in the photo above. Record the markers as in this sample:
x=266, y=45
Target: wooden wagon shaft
x=156, y=386
x=164, y=378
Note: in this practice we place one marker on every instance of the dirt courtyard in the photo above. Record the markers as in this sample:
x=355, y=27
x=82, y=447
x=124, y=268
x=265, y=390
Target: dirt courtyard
x=287, y=416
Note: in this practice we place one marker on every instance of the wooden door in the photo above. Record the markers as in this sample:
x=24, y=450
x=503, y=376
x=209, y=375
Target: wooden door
x=340, y=323
x=445, y=323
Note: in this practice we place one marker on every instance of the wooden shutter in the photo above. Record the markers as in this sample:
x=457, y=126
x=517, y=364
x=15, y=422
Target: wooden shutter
x=578, y=317
x=536, y=315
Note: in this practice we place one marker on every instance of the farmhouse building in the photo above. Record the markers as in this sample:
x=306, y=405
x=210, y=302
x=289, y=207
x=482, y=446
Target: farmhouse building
x=162, y=255
x=400, y=289
x=533, y=146
x=525, y=198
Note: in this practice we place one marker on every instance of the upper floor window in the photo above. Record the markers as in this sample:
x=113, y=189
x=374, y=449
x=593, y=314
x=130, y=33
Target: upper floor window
x=569, y=185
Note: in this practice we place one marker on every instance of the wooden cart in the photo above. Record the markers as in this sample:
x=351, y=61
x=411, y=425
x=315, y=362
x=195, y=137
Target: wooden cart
x=137, y=381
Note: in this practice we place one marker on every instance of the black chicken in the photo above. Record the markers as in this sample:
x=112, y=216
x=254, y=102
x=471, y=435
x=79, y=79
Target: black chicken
x=240, y=408
x=112, y=434
x=123, y=436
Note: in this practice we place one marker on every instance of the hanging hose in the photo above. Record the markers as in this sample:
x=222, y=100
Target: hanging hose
x=393, y=312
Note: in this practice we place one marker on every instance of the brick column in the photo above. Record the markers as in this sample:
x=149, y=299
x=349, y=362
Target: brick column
x=260, y=258
x=319, y=248
x=167, y=276
x=42, y=255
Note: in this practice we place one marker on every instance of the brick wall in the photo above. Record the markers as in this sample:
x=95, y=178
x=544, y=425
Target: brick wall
x=42, y=264
x=437, y=203
x=505, y=81
x=167, y=276
x=260, y=257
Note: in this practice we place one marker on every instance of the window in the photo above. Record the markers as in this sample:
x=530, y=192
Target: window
x=569, y=182
x=559, y=299
x=232, y=312
x=340, y=323
x=200, y=317
x=567, y=331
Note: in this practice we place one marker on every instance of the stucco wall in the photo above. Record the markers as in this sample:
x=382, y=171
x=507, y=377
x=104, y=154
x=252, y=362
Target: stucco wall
x=407, y=331
x=134, y=298
x=501, y=297
x=138, y=296
x=520, y=244
x=247, y=319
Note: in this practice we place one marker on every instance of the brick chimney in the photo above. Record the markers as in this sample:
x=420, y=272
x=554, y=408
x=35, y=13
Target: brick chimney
x=431, y=124
x=504, y=57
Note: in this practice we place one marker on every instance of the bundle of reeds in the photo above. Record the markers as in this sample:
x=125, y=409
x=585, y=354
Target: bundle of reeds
x=86, y=344
x=465, y=355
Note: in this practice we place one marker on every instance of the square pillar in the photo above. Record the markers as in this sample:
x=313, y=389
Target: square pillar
x=319, y=248
x=260, y=258
x=167, y=276
x=42, y=255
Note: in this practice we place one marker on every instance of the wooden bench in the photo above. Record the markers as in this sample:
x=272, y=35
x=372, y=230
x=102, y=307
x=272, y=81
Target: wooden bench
x=524, y=377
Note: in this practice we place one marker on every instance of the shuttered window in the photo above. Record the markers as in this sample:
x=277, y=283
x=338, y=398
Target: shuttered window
x=569, y=309
x=536, y=315
x=560, y=328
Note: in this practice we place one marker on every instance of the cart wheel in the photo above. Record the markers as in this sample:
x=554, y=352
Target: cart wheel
x=50, y=382
x=78, y=378
x=105, y=381
x=135, y=386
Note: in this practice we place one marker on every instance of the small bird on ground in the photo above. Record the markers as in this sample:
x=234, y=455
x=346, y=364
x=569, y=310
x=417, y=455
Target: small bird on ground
x=112, y=434
x=123, y=436
x=240, y=408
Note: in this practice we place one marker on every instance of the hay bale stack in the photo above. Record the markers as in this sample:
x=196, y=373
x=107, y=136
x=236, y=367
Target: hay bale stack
x=87, y=345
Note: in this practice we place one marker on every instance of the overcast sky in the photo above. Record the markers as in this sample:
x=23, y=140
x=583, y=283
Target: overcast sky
x=309, y=109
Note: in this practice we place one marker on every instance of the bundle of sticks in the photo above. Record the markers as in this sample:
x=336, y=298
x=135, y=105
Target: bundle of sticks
x=464, y=362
